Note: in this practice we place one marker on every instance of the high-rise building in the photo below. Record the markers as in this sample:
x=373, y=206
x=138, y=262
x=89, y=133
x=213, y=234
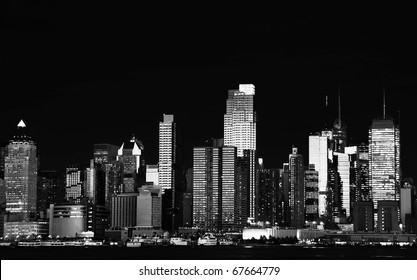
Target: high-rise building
x=311, y=194
x=319, y=157
x=388, y=216
x=286, y=193
x=74, y=188
x=343, y=168
x=20, y=175
x=219, y=189
x=167, y=152
x=149, y=207
x=152, y=174
x=297, y=191
x=269, y=194
x=363, y=162
x=3, y=152
x=51, y=190
x=130, y=154
x=105, y=153
x=384, y=162
x=2, y=205
x=363, y=216
x=240, y=132
x=339, y=132
x=124, y=210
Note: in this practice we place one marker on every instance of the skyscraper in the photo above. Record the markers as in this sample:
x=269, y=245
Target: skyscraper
x=311, y=194
x=74, y=190
x=167, y=152
x=318, y=150
x=219, y=189
x=384, y=162
x=130, y=154
x=240, y=132
x=297, y=191
x=20, y=175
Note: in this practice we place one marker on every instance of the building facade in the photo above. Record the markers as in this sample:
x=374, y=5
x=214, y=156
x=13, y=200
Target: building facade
x=240, y=132
x=297, y=191
x=20, y=176
x=384, y=162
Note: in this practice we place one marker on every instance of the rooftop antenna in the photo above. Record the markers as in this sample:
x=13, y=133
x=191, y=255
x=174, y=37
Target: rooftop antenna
x=383, y=107
x=340, y=110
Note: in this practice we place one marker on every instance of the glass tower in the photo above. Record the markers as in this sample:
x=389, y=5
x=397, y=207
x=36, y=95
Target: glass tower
x=240, y=132
x=167, y=153
x=384, y=162
x=318, y=156
x=20, y=175
x=297, y=191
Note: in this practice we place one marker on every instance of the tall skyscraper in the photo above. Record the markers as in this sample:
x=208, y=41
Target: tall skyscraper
x=219, y=191
x=319, y=156
x=297, y=190
x=240, y=132
x=167, y=152
x=384, y=162
x=20, y=175
x=130, y=154
x=269, y=194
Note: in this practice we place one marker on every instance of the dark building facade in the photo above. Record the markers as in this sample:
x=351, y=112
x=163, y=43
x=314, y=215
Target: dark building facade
x=363, y=217
x=388, y=212
x=51, y=190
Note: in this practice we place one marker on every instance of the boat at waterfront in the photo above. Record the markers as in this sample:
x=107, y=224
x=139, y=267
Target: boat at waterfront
x=179, y=241
x=207, y=239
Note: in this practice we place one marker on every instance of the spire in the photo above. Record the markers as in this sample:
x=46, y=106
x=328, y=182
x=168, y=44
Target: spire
x=383, y=103
x=340, y=110
x=21, y=124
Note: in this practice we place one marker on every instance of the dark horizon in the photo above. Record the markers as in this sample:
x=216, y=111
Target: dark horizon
x=78, y=77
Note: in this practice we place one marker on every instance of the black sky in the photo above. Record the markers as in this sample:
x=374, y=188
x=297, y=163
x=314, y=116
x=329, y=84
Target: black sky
x=81, y=75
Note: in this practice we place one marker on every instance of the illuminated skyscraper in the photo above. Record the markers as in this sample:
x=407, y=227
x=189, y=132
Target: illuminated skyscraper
x=167, y=152
x=74, y=190
x=240, y=119
x=219, y=192
x=319, y=156
x=20, y=175
x=240, y=132
x=297, y=190
x=311, y=194
x=130, y=154
x=384, y=162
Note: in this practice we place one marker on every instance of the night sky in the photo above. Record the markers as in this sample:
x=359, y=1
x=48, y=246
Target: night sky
x=81, y=75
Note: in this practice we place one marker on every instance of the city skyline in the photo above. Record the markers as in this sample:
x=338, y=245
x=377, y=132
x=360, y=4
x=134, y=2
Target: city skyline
x=81, y=83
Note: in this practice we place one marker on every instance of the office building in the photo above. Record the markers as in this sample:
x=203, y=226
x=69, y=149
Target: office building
x=319, y=157
x=311, y=194
x=20, y=176
x=124, y=210
x=2, y=205
x=285, y=199
x=3, y=152
x=51, y=190
x=388, y=216
x=130, y=155
x=269, y=194
x=74, y=188
x=297, y=191
x=152, y=174
x=363, y=216
x=363, y=162
x=150, y=207
x=67, y=220
x=167, y=152
x=240, y=132
x=219, y=189
x=384, y=162
x=406, y=203
x=105, y=153
x=24, y=230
